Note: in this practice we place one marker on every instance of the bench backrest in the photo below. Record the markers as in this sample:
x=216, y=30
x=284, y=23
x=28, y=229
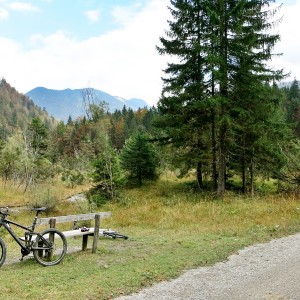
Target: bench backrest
x=73, y=218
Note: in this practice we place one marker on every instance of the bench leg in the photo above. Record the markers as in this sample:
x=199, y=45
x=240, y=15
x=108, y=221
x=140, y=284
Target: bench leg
x=96, y=233
x=84, y=242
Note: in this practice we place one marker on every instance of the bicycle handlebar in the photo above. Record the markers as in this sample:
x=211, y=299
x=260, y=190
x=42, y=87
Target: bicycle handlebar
x=4, y=213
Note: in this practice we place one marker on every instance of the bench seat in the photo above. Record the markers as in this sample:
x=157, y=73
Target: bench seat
x=52, y=221
x=86, y=234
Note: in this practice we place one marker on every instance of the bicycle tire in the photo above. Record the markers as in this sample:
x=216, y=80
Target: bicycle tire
x=50, y=257
x=2, y=252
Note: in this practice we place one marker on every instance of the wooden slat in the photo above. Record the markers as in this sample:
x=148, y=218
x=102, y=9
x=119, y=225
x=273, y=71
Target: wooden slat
x=73, y=218
x=78, y=232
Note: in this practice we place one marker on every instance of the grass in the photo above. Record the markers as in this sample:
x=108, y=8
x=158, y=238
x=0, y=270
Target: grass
x=14, y=196
x=170, y=229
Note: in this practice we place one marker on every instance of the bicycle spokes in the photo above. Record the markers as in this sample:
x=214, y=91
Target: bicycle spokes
x=50, y=247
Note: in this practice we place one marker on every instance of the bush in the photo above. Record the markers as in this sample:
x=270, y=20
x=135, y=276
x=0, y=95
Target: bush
x=98, y=196
x=72, y=178
x=43, y=199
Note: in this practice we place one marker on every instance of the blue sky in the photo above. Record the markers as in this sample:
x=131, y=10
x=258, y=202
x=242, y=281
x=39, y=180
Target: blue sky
x=79, y=19
x=105, y=44
x=288, y=2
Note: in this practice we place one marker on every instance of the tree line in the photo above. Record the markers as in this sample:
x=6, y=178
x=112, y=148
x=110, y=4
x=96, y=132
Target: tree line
x=105, y=146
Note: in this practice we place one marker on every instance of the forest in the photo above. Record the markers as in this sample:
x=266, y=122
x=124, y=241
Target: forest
x=126, y=148
x=222, y=118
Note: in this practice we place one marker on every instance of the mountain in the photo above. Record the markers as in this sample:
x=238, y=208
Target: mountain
x=17, y=111
x=285, y=84
x=64, y=103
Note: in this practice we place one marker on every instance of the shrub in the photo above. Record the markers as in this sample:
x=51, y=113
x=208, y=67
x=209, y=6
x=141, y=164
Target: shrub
x=43, y=199
x=72, y=178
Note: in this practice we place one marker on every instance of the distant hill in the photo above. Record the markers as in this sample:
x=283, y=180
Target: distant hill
x=17, y=111
x=284, y=84
x=64, y=103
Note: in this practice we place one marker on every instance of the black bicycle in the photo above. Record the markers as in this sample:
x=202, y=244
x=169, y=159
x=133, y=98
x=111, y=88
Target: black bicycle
x=48, y=247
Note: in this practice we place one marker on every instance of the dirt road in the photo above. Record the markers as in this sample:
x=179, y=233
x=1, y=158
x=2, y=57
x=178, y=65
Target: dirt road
x=268, y=271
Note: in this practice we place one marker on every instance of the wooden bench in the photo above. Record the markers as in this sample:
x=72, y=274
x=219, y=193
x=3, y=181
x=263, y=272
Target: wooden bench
x=95, y=231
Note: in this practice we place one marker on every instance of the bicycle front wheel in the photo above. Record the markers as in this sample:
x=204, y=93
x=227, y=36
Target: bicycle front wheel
x=50, y=247
x=2, y=252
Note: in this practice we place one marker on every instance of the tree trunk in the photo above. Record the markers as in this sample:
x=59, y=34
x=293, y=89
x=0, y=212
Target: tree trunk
x=244, y=169
x=243, y=176
x=214, y=152
x=199, y=175
x=252, y=176
x=222, y=162
x=223, y=94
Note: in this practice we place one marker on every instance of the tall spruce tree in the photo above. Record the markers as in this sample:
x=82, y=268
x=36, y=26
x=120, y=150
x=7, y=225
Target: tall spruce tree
x=222, y=47
x=185, y=106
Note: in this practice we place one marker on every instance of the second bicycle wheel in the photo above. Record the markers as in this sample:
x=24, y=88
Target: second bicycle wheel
x=2, y=252
x=50, y=247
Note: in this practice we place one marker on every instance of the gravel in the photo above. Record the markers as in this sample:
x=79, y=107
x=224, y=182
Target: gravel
x=269, y=271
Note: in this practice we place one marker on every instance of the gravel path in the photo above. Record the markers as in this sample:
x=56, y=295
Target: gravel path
x=268, y=271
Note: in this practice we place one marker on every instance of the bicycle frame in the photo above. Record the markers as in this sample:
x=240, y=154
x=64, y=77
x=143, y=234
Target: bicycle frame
x=23, y=244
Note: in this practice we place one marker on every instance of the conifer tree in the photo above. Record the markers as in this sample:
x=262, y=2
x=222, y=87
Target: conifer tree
x=138, y=158
x=222, y=49
x=185, y=106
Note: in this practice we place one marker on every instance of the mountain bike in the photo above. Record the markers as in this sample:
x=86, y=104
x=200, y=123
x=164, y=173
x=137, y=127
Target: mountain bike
x=48, y=247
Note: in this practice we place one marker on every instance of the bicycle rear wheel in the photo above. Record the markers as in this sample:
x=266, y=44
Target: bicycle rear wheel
x=50, y=247
x=2, y=252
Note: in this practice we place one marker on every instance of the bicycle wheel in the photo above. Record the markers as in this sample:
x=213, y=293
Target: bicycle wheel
x=2, y=252
x=50, y=247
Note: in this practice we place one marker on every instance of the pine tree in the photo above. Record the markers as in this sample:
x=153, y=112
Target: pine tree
x=38, y=135
x=139, y=159
x=185, y=107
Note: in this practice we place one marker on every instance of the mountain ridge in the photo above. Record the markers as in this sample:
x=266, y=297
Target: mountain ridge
x=62, y=104
x=17, y=111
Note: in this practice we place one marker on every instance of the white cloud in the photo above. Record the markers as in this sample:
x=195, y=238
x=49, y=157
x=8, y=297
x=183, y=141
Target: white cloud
x=123, y=62
x=289, y=44
x=93, y=15
x=8, y=46
x=22, y=6
x=124, y=14
x=3, y=14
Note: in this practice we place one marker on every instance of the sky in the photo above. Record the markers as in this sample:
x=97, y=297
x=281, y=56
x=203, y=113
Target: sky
x=103, y=44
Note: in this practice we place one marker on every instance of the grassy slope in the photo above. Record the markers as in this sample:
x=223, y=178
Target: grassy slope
x=170, y=228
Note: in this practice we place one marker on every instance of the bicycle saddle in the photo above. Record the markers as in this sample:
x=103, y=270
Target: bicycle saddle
x=39, y=208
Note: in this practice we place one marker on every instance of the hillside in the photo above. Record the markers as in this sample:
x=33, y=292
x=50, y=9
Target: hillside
x=17, y=110
x=64, y=103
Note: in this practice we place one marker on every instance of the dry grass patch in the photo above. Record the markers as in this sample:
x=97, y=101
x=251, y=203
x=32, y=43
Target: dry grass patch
x=13, y=195
x=168, y=206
